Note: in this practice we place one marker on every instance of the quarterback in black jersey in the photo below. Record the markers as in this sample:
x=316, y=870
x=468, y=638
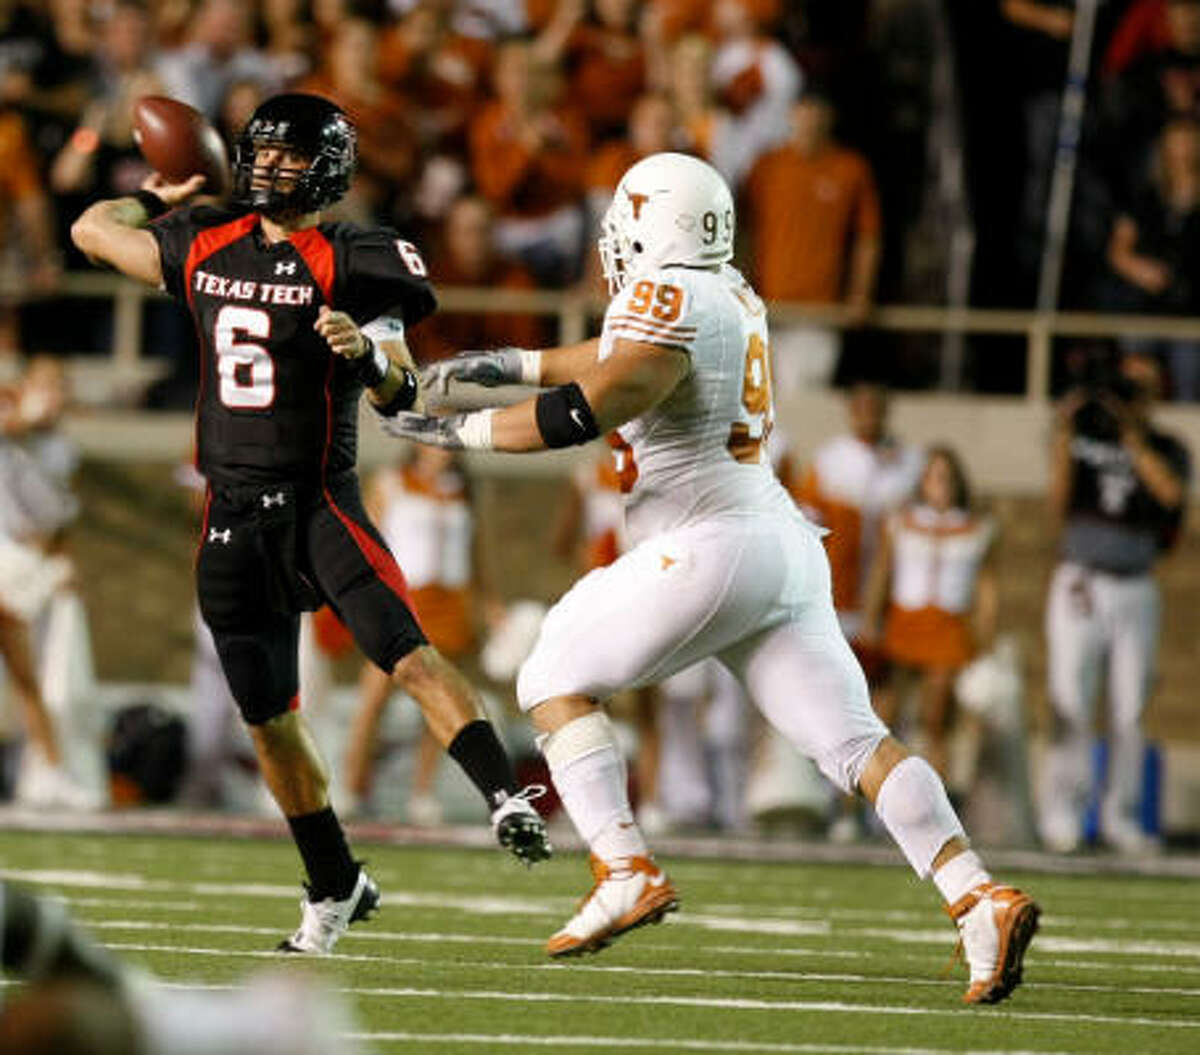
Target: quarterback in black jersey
x=279, y=300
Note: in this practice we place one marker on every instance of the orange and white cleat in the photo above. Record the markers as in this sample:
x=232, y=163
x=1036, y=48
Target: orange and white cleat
x=629, y=893
x=995, y=926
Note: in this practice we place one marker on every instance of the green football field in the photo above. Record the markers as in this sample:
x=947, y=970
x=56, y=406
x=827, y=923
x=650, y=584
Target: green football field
x=762, y=957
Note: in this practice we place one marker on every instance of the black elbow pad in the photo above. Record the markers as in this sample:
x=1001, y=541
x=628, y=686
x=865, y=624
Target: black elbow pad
x=564, y=417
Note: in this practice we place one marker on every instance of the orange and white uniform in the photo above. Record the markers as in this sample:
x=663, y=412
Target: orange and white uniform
x=849, y=488
x=721, y=563
x=430, y=530
x=936, y=559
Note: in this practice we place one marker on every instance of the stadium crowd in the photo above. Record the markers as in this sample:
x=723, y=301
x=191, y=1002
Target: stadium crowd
x=492, y=134
x=828, y=120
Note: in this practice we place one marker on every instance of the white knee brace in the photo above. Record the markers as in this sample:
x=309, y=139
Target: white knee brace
x=579, y=737
x=913, y=806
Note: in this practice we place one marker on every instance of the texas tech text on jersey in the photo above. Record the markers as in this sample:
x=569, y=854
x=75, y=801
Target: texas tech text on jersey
x=275, y=403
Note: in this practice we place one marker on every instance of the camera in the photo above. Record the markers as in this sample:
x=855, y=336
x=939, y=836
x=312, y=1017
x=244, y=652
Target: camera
x=1102, y=382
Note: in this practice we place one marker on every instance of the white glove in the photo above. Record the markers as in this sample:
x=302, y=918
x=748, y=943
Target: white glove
x=453, y=431
x=503, y=366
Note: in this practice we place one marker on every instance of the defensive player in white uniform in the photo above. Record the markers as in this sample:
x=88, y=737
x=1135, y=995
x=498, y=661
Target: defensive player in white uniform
x=722, y=564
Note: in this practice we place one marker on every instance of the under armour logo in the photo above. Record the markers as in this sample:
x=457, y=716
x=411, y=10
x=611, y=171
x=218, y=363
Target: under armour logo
x=637, y=201
x=223, y=537
x=277, y=499
x=285, y=267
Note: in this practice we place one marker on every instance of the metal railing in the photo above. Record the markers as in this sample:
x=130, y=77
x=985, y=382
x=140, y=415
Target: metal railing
x=575, y=310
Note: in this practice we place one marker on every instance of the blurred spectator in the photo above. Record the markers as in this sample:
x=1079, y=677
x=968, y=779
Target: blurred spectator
x=467, y=256
x=386, y=144
x=1159, y=86
x=931, y=600
x=757, y=80
x=1154, y=252
x=689, y=84
x=603, y=57
x=242, y=99
x=813, y=213
x=490, y=20
x=218, y=52
x=440, y=72
x=528, y=153
x=288, y=39
x=101, y=160
x=33, y=510
x=1142, y=29
x=61, y=633
x=422, y=505
x=854, y=482
x=30, y=259
x=49, y=67
x=1039, y=40
x=1118, y=486
x=652, y=129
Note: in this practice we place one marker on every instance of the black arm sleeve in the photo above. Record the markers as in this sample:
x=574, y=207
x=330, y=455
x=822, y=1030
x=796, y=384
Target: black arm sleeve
x=379, y=273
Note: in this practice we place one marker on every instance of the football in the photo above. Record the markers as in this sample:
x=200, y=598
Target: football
x=179, y=142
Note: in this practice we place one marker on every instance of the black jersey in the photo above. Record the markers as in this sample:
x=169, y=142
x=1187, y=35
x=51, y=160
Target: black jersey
x=1113, y=519
x=275, y=403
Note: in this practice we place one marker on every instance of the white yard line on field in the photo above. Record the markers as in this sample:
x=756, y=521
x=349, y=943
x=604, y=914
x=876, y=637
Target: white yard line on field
x=667, y=1043
x=713, y=1003
x=1046, y=943
x=599, y=968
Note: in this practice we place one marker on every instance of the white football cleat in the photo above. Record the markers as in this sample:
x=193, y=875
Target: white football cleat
x=629, y=893
x=323, y=922
x=995, y=926
x=520, y=828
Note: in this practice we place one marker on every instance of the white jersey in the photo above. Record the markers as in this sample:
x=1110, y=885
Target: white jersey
x=701, y=452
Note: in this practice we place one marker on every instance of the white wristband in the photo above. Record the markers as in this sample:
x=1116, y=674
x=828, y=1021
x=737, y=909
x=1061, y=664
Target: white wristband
x=531, y=367
x=475, y=433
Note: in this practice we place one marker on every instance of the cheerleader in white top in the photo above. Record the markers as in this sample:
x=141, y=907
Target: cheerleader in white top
x=932, y=597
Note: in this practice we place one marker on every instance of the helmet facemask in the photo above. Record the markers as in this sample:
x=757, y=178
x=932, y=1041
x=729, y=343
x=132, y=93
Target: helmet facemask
x=616, y=251
x=308, y=127
x=272, y=199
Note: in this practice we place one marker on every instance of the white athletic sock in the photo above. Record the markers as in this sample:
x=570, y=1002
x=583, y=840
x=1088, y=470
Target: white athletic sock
x=589, y=773
x=960, y=875
x=913, y=806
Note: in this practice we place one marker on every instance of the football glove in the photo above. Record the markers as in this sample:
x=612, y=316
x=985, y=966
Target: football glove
x=503, y=366
x=453, y=431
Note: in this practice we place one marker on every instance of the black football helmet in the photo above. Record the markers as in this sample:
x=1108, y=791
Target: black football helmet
x=312, y=127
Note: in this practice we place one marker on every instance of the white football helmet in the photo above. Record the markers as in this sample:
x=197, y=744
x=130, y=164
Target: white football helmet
x=667, y=209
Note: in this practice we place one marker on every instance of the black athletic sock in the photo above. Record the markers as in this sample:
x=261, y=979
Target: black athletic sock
x=332, y=872
x=484, y=760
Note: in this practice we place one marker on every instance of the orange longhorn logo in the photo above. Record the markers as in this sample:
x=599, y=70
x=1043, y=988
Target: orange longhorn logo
x=637, y=201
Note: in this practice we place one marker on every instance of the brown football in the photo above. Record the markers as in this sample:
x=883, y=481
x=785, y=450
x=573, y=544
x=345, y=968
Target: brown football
x=179, y=142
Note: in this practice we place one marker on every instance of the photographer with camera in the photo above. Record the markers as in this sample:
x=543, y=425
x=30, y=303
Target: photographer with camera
x=1118, y=487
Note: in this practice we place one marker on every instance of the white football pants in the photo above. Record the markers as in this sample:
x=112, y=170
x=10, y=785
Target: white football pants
x=752, y=590
x=1099, y=627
